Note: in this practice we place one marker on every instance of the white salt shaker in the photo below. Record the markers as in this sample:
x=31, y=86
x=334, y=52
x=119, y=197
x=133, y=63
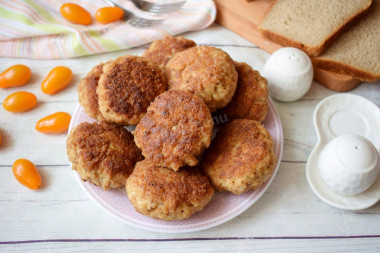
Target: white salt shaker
x=349, y=164
x=289, y=73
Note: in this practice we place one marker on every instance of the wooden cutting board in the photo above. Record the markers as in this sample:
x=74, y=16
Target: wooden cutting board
x=242, y=17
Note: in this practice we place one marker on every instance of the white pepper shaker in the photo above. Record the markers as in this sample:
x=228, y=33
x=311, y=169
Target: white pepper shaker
x=289, y=73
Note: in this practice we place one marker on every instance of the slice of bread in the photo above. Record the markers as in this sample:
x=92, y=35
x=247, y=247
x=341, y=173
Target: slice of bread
x=310, y=25
x=357, y=51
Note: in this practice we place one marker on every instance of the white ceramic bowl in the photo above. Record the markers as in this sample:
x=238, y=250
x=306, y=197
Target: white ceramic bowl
x=349, y=164
x=289, y=73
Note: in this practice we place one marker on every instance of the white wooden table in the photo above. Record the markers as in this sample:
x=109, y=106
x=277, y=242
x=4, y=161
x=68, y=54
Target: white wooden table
x=60, y=217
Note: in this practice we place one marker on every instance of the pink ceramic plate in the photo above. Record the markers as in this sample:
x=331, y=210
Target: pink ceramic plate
x=222, y=208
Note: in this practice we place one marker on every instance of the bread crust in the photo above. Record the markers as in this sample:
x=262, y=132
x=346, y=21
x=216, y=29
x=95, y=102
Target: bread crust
x=312, y=50
x=338, y=61
x=344, y=69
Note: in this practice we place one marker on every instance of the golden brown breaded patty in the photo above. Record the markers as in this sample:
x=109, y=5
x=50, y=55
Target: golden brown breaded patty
x=175, y=130
x=87, y=92
x=102, y=153
x=240, y=158
x=250, y=98
x=208, y=72
x=163, y=194
x=126, y=88
x=161, y=51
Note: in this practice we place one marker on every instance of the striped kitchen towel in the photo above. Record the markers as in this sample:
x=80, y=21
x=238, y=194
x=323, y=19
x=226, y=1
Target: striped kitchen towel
x=36, y=29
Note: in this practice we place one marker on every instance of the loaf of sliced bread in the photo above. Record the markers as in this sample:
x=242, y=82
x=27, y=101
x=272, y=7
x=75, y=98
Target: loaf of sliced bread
x=357, y=51
x=310, y=25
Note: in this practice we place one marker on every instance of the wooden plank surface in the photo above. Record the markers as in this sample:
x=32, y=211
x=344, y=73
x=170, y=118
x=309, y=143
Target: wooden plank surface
x=243, y=18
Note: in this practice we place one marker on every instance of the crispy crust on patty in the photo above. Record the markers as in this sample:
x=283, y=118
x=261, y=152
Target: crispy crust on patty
x=163, y=194
x=126, y=88
x=161, y=51
x=250, y=98
x=87, y=92
x=240, y=158
x=208, y=72
x=102, y=153
x=176, y=128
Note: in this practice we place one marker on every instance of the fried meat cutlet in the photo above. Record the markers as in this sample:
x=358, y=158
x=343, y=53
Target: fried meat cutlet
x=240, y=158
x=163, y=194
x=126, y=88
x=176, y=128
x=87, y=92
x=206, y=71
x=161, y=51
x=250, y=98
x=102, y=153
